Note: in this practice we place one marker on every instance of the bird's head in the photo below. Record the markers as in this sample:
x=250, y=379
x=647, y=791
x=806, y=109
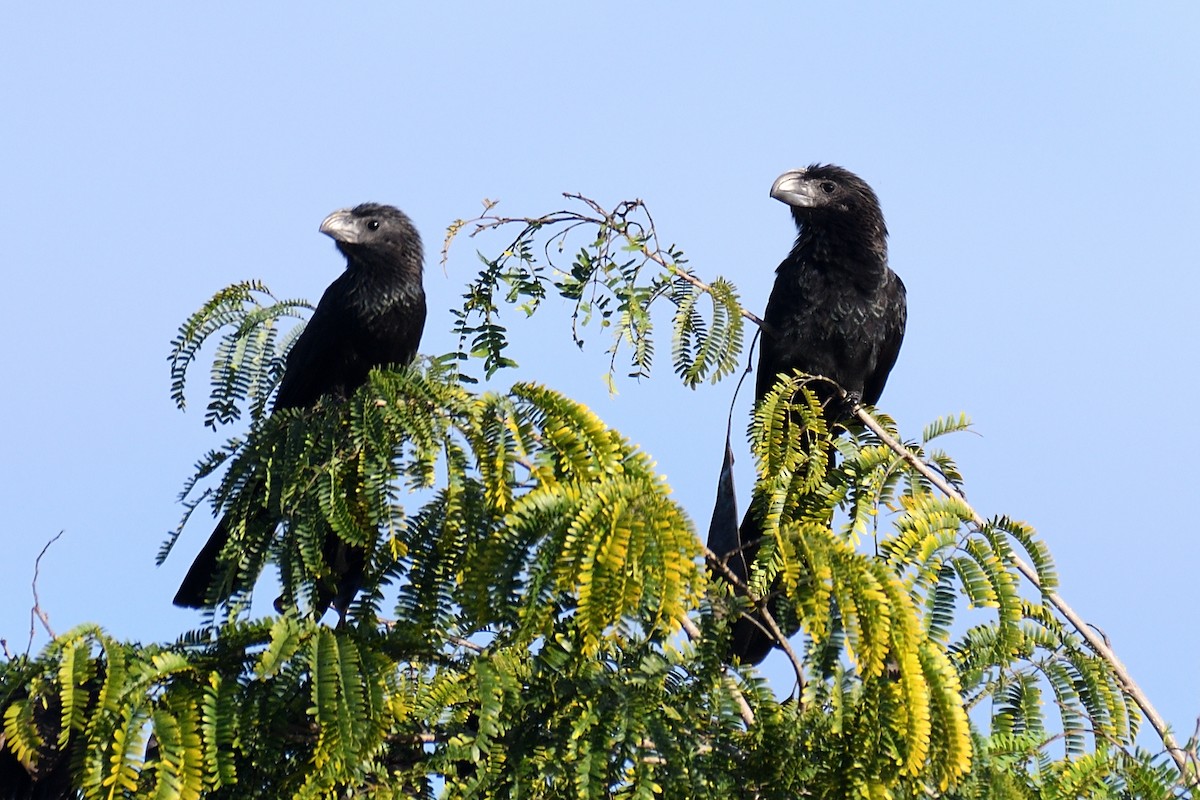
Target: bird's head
x=373, y=233
x=826, y=195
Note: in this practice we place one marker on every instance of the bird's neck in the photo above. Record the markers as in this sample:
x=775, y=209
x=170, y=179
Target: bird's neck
x=861, y=254
x=376, y=283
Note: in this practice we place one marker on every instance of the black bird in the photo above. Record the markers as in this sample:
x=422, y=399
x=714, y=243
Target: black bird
x=837, y=311
x=371, y=316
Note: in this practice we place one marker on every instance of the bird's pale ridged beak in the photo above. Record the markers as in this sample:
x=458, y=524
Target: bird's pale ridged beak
x=793, y=188
x=341, y=226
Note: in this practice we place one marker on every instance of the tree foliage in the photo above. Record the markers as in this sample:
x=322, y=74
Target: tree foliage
x=537, y=618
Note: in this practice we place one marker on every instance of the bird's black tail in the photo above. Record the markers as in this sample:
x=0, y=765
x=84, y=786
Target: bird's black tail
x=736, y=547
x=750, y=640
x=347, y=564
x=723, y=528
x=194, y=591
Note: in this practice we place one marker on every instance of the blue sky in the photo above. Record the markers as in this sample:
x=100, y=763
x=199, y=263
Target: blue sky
x=1037, y=166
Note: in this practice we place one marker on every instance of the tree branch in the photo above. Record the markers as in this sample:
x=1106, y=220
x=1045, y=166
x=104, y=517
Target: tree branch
x=37, y=612
x=459, y=641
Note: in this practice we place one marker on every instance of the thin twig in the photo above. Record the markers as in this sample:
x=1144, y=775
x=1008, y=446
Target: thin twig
x=486, y=222
x=735, y=691
x=656, y=256
x=37, y=613
x=1095, y=640
x=771, y=627
x=782, y=641
x=459, y=641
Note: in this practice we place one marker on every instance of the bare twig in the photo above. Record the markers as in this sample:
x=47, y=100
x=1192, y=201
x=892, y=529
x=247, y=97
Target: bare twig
x=1193, y=756
x=1094, y=639
x=693, y=633
x=37, y=612
x=782, y=640
x=457, y=226
x=771, y=627
x=459, y=641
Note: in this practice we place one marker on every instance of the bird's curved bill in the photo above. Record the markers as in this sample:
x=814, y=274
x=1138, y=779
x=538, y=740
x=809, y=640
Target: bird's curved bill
x=340, y=226
x=794, y=188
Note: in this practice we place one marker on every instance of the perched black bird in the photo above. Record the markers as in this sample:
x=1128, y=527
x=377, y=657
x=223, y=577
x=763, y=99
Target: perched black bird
x=371, y=316
x=837, y=311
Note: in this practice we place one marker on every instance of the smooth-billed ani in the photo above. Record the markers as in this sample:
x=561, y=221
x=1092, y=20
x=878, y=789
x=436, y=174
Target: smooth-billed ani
x=371, y=316
x=837, y=311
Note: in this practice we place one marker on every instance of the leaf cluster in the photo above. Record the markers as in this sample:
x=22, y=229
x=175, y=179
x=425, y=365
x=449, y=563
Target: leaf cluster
x=249, y=357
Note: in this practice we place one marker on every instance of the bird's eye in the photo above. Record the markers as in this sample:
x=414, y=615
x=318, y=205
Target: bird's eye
x=373, y=225
x=828, y=187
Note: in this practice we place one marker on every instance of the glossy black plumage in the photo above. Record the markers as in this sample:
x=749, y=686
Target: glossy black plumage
x=371, y=316
x=836, y=310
